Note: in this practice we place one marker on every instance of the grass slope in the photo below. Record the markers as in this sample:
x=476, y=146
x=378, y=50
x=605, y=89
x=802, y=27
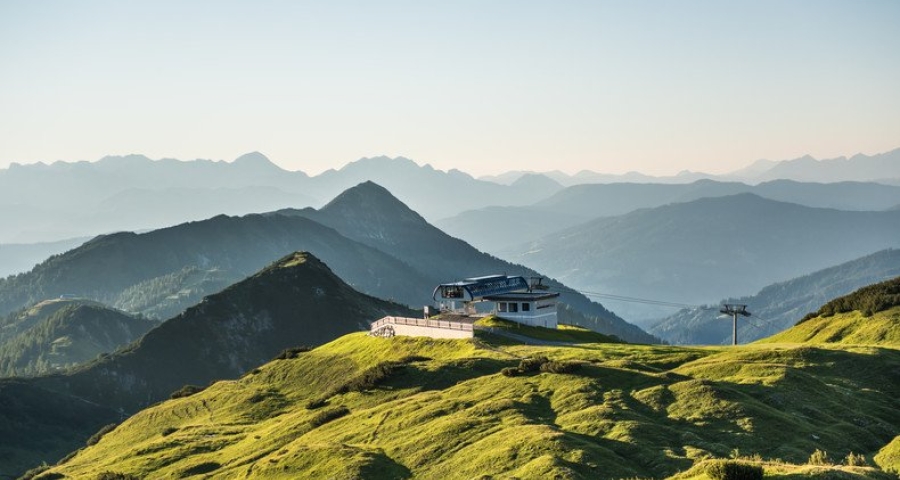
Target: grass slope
x=425, y=408
x=870, y=315
x=882, y=328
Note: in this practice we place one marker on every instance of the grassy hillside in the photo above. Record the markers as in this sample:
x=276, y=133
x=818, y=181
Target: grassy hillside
x=867, y=300
x=882, y=328
x=59, y=334
x=870, y=315
x=363, y=407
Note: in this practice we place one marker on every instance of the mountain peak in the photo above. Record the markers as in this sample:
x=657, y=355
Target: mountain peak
x=296, y=300
x=537, y=180
x=381, y=161
x=299, y=261
x=124, y=160
x=254, y=160
x=366, y=199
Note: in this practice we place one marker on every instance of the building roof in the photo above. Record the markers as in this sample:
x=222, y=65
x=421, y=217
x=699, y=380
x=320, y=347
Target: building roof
x=479, y=287
x=521, y=296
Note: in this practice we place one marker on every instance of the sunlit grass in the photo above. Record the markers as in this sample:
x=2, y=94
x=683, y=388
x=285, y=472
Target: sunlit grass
x=447, y=412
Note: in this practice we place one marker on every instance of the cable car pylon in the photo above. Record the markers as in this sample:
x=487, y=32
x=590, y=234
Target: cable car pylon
x=734, y=310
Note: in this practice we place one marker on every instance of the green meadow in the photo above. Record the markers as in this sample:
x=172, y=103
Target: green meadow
x=366, y=407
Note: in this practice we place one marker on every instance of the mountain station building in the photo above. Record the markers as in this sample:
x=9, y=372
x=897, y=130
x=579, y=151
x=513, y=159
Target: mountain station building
x=513, y=298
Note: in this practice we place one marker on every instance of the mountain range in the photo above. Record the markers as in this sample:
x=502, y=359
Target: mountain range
x=704, y=250
x=778, y=306
x=370, y=238
x=134, y=192
x=494, y=229
x=881, y=167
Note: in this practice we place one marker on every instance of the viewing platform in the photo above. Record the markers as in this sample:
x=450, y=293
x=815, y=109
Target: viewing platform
x=446, y=326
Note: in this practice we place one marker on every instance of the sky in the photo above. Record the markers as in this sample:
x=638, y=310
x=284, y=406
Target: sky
x=482, y=86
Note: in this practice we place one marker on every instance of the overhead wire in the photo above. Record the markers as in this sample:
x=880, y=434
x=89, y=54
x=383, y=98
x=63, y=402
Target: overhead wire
x=664, y=303
x=646, y=301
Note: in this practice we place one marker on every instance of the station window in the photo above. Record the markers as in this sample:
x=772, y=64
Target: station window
x=526, y=307
x=513, y=307
x=501, y=306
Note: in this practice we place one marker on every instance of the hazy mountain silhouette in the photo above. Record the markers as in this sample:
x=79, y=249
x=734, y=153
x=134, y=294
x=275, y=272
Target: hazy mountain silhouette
x=432, y=193
x=707, y=249
x=494, y=229
x=780, y=305
x=882, y=167
x=135, y=193
x=22, y=257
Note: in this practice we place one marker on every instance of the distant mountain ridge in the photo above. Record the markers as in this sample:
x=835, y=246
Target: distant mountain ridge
x=881, y=167
x=495, y=228
x=700, y=251
x=134, y=192
x=780, y=305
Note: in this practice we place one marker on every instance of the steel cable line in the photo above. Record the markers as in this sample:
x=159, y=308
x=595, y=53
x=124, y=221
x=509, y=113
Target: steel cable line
x=646, y=301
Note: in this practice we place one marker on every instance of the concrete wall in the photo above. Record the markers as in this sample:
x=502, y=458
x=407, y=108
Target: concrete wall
x=416, y=331
x=545, y=318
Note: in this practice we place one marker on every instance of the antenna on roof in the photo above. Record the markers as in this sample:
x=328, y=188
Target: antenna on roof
x=734, y=310
x=536, y=283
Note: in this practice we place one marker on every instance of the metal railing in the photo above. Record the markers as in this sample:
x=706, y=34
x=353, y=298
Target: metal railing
x=422, y=322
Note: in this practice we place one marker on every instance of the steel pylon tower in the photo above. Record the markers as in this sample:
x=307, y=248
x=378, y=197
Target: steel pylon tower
x=734, y=310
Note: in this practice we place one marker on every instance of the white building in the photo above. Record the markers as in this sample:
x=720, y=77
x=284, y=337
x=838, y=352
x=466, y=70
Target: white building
x=537, y=309
x=512, y=296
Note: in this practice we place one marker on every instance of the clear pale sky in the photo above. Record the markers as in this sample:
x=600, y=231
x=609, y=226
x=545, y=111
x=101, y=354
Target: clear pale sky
x=483, y=86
